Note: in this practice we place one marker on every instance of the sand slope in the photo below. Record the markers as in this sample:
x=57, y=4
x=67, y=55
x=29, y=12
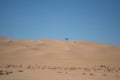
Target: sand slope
x=57, y=51
x=48, y=59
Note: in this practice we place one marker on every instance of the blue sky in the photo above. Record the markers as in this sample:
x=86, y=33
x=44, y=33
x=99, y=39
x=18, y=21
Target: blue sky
x=93, y=20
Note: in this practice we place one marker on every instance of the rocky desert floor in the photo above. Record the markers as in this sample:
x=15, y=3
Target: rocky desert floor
x=47, y=72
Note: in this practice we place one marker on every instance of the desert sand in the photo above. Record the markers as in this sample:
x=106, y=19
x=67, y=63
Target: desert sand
x=49, y=59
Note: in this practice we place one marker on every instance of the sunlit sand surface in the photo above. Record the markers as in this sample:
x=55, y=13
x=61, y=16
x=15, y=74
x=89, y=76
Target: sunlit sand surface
x=48, y=59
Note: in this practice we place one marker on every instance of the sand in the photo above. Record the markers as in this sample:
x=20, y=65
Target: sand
x=49, y=59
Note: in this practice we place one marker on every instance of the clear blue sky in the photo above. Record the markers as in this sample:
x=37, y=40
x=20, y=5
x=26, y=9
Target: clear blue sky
x=93, y=20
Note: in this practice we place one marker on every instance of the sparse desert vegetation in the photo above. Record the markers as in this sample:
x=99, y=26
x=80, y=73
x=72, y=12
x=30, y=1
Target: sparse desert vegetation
x=85, y=71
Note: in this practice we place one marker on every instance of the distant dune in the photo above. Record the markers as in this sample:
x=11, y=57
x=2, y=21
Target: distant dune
x=59, y=52
x=48, y=59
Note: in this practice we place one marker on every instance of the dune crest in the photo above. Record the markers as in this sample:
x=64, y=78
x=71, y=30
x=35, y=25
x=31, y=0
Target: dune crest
x=49, y=51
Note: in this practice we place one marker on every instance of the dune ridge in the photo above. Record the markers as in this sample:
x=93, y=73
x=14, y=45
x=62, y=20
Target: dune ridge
x=47, y=51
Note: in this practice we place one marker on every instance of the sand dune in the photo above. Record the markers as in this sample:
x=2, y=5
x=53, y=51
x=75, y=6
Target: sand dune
x=58, y=53
x=51, y=51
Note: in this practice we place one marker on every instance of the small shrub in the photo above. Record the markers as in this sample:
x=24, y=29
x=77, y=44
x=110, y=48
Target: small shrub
x=20, y=71
x=29, y=67
x=65, y=68
x=83, y=73
x=8, y=72
x=1, y=73
x=1, y=70
x=91, y=74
